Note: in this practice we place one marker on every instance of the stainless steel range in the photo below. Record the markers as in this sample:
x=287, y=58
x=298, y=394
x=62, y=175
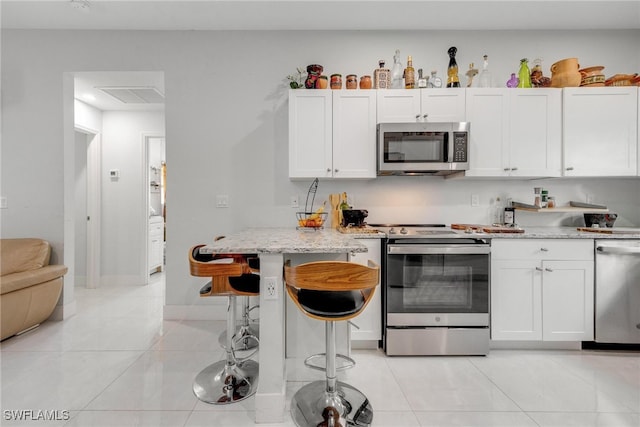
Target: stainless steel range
x=436, y=291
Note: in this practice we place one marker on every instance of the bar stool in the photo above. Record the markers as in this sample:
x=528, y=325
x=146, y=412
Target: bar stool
x=331, y=291
x=232, y=379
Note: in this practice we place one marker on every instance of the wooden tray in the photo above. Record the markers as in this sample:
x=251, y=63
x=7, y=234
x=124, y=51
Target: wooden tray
x=486, y=228
x=610, y=230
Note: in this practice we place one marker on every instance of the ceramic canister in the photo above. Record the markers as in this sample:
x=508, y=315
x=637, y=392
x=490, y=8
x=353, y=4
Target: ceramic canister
x=352, y=81
x=564, y=73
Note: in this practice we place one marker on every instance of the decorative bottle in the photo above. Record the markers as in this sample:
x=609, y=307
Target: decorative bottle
x=434, y=81
x=381, y=76
x=485, y=75
x=409, y=74
x=524, y=75
x=452, y=70
x=422, y=81
x=396, y=72
x=471, y=73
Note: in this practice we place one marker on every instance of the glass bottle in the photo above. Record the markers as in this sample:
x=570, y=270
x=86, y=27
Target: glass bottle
x=485, y=75
x=524, y=75
x=409, y=75
x=422, y=81
x=434, y=81
x=452, y=70
x=396, y=72
x=381, y=76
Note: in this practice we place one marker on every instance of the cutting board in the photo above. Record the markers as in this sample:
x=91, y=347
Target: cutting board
x=610, y=230
x=486, y=228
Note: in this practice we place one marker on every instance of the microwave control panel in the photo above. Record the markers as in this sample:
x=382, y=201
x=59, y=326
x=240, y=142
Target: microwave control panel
x=460, y=147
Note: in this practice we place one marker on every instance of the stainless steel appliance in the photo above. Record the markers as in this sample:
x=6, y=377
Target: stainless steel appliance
x=436, y=291
x=423, y=148
x=617, y=291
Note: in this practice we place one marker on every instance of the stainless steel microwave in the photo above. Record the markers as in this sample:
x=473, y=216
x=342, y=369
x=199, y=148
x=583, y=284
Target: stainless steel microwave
x=423, y=148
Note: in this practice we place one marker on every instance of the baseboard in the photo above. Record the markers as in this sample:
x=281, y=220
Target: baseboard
x=61, y=312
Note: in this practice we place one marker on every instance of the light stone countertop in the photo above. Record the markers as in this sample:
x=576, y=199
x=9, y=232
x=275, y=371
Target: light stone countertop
x=287, y=240
x=560, y=233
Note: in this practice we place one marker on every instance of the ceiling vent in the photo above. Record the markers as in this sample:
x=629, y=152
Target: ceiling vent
x=135, y=95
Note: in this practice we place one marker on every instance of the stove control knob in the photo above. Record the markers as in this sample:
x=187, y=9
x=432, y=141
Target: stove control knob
x=403, y=231
x=392, y=230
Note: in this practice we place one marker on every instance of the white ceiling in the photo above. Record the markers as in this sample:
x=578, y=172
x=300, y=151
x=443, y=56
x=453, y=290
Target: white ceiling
x=321, y=14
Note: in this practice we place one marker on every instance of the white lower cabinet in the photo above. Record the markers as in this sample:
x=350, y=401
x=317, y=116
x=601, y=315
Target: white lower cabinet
x=156, y=243
x=542, y=290
x=368, y=325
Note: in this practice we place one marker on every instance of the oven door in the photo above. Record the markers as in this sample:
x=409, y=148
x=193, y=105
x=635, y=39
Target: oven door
x=437, y=285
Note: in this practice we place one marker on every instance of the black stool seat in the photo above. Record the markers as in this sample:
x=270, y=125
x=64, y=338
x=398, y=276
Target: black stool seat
x=331, y=304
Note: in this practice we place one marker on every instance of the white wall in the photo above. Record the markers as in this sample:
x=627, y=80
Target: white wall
x=124, y=202
x=226, y=125
x=80, y=259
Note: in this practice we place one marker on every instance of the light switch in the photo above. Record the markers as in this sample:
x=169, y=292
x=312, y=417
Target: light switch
x=3, y=203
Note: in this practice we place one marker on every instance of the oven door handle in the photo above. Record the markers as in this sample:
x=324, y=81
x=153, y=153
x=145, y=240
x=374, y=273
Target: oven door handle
x=442, y=250
x=619, y=250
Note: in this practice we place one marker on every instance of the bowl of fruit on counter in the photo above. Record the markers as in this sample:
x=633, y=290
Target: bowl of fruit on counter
x=312, y=220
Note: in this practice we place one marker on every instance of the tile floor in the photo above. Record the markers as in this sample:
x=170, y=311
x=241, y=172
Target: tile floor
x=117, y=363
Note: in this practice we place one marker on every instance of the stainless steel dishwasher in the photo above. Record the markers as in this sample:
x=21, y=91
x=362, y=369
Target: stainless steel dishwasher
x=617, y=291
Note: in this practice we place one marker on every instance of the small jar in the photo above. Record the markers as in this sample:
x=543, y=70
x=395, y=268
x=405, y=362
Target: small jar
x=365, y=82
x=336, y=81
x=544, y=198
x=551, y=202
x=352, y=81
x=322, y=82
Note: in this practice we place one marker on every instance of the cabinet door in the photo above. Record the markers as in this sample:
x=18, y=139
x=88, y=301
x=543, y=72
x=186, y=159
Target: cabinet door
x=600, y=131
x=535, y=132
x=354, y=134
x=397, y=105
x=369, y=322
x=567, y=301
x=486, y=111
x=443, y=105
x=516, y=300
x=310, y=133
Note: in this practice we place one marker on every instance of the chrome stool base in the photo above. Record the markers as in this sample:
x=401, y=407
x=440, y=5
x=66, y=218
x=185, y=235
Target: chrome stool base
x=222, y=383
x=245, y=338
x=309, y=403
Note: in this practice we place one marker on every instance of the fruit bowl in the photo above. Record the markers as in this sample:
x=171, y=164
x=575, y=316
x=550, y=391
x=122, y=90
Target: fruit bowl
x=311, y=219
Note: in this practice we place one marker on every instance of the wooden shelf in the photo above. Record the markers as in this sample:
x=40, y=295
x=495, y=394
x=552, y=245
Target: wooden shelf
x=563, y=209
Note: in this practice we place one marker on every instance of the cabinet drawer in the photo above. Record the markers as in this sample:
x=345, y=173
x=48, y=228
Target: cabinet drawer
x=542, y=249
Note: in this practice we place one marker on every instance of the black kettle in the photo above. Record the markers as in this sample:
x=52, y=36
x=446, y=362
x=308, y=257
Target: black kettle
x=354, y=217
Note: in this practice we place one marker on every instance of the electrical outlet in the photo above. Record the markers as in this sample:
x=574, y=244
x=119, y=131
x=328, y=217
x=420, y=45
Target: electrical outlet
x=271, y=287
x=589, y=198
x=475, y=200
x=3, y=203
x=294, y=202
x=222, y=201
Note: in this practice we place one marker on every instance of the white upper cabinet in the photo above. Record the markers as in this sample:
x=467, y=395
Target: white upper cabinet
x=310, y=133
x=332, y=133
x=487, y=112
x=354, y=134
x=535, y=132
x=600, y=131
x=514, y=132
x=432, y=105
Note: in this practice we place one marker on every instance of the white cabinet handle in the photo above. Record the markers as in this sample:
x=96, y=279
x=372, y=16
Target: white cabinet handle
x=538, y=269
x=570, y=168
x=549, y=270
x=544, y=250
x=514, y=169
x=507, y=169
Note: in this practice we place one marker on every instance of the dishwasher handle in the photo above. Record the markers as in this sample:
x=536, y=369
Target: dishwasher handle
x=619, y=250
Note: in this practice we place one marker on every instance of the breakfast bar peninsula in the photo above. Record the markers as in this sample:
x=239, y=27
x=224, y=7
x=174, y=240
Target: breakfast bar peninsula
x=273, y=245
